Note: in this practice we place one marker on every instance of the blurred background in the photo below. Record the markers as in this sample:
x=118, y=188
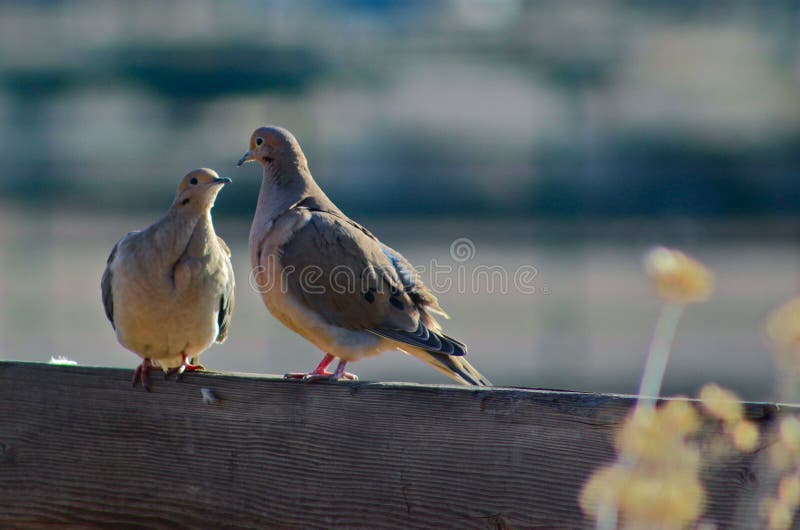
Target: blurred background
x=567, y=137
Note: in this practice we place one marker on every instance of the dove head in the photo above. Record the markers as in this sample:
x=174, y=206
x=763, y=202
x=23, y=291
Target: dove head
x=273, y=144
x=198, y=190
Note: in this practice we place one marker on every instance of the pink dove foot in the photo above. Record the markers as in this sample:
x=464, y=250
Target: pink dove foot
x=140, y=374
x=321, y=373
x=185, y=366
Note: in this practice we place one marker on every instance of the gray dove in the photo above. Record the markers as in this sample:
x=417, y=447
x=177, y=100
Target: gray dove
x=330, y=280
x=168, y=290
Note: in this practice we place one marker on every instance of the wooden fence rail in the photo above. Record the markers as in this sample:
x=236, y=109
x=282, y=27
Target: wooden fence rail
x=80, y=448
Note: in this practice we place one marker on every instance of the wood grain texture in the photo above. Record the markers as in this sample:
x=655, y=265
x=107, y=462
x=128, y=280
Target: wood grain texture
x=80, y=448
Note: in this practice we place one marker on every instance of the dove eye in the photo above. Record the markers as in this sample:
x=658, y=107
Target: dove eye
x=259, y=141
x=193, y=181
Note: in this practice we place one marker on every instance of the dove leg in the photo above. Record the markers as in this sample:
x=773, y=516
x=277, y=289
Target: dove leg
x=185, y=366
x=140, y=374
x=341, y=374
x=321, y=369
x=325, y=375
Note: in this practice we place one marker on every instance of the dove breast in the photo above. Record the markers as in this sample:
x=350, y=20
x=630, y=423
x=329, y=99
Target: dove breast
x=278, y=283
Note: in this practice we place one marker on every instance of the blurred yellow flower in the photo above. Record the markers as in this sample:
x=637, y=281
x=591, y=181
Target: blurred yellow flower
x=789, y=490
x=745, y=435
x=671, y=500
x=783, y=326
x=779, y=457
x=785, y=458
x=655, y=482
x=779, y=515
x=645, y=497
x=720, y=403
x=657, y=435
x=790, y=433
x=677, y=277
x=679, y=414
x=603, y=488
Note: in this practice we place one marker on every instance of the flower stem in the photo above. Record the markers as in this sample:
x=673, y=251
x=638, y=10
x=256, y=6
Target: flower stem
x=657, y=357
x=649, y=390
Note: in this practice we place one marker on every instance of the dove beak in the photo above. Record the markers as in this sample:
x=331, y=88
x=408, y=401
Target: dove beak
x=221, y=180
x=247, y=157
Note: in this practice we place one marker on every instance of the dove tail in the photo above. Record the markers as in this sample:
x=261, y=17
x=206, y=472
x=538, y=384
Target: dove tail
x=457, y=368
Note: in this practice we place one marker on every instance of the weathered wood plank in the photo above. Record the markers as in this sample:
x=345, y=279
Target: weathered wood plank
x=80, y=448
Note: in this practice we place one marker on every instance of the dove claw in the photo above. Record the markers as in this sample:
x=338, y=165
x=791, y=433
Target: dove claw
x=185, y=366
x=321, y=373
x=140, y=374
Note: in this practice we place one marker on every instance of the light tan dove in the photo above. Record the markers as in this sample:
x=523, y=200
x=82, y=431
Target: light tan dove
x=330, y=280
x=168, y=289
